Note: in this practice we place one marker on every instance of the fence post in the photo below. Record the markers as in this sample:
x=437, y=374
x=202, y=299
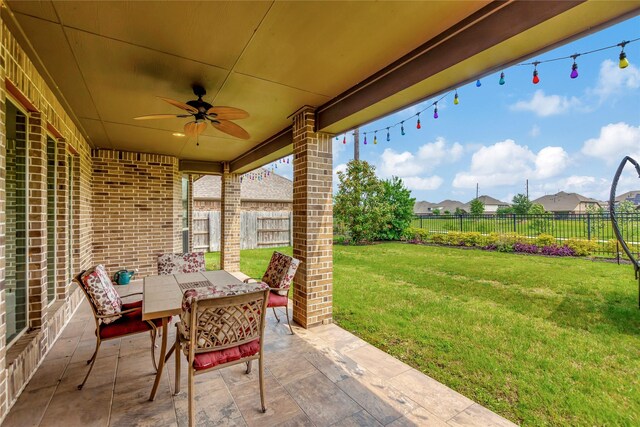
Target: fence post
x=421, y=221
x=210, y=225
x=588, y=226
x=460, y=223
x=514, y=223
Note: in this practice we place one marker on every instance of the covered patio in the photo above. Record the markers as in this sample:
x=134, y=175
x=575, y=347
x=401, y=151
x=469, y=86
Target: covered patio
x=84, y=183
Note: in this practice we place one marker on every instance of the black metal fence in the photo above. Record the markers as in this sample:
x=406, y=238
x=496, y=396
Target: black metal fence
x=594, y=227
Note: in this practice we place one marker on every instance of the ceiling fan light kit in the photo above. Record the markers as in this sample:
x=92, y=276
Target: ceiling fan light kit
x=201, y=112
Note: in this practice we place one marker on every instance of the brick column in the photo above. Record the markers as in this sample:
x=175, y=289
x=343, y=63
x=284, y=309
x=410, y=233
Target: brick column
x=3, y=233
x=230, y=221
x=37, y=221
x=312, y=222
x=190, y=211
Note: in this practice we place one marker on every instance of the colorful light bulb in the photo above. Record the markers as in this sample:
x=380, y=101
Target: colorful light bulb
x=402, y=128
x=536, y=79
x=478, y=84
x=435, y=111
x=344, y=140
x=418, y=124
x=501, y=81
x=375, y=138
x=624, y=62
x=456, y=101
x=388, y=137
x=574, y=71
x=365, y=139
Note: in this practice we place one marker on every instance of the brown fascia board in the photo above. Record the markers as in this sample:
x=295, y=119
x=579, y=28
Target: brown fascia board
x=201, y=167
x=494, y=23
x=278, y=144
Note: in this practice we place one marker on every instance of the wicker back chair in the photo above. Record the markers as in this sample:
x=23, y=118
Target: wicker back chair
x=216, y=332
x=125, y=322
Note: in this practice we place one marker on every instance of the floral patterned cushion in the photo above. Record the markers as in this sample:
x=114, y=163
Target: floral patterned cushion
x=190, y=262
x=102, y=293
x=280, y=272
x=197, y=294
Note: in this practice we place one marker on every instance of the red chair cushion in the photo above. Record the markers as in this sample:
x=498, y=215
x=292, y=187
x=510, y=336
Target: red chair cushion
x=276, y=300
x=217, y=357
x=129, y=323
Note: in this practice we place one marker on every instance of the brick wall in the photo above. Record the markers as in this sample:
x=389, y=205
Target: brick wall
x=312, y=222
x=137, y=209
x=230, y=222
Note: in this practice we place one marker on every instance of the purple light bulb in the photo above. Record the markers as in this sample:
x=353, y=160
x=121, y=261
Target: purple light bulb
x=574, y=71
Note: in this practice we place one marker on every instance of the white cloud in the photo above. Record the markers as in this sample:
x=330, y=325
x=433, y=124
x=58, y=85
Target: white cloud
x=547, y=105
x=615, y=141
x=551, y=161
x=428, y=157
x=505, y=163
x=535, y=131
x=418, y=183
x=613, y=80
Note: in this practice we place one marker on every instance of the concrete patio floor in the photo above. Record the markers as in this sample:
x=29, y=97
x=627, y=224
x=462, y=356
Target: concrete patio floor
x=320, y=377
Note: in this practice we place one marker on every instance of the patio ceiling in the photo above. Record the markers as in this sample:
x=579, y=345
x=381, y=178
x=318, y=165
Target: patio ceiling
x=357, y=62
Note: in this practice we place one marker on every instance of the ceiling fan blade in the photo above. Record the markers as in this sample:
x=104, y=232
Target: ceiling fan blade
x=194, y=128
x=159, y=116
x=230, y=128
x=228, y=113
x=179, y=104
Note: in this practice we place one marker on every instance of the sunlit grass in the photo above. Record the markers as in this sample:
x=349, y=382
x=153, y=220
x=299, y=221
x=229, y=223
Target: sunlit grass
x=538, y=340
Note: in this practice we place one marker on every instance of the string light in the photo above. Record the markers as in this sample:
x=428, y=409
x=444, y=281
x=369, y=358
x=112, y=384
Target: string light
x=536, y=79
x=375, y=137
x=624, y=62
x=344, y=140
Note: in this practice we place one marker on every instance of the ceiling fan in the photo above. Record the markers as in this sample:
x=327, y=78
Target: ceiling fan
x=201, y=112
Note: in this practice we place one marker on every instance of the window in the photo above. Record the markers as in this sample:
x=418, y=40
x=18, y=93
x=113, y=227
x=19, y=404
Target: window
x=51, y=219
x=185, y=213
x=70, y=213
x=16, y=222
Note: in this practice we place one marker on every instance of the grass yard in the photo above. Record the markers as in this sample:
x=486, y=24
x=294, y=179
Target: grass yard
x=538, y=340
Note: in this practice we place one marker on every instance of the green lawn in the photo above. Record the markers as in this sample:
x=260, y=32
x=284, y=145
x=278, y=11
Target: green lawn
x=538, y=340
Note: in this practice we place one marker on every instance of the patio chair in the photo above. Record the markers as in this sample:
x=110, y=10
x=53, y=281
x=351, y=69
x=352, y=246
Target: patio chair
x=189, y=262
x=216, y=332
x=279, y=275
x=114, y=319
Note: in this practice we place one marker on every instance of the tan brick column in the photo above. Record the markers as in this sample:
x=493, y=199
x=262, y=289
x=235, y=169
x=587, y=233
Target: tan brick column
x=230, y=221
x=37, y=220
x=312, y=222
x=190, y=211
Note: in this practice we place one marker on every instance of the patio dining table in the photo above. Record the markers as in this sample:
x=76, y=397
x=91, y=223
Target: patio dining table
x=162, y=299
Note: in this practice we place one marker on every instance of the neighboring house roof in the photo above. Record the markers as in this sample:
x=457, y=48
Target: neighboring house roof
x=488, y=200
x=451, y=205
x=632, y=196
x=424, y=207
x=564, y=202
x=273, y=187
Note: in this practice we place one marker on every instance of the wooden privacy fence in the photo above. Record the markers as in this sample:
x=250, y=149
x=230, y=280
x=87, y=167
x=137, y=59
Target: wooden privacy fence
x=261, y=229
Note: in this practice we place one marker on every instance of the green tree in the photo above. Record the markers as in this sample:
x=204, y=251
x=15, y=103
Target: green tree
x=503, y=210
x=436, y=211
x=626, y=207
x=521, y=204
x=477, y=207
x=542, y=222
x=400, y=205
x=360, y=202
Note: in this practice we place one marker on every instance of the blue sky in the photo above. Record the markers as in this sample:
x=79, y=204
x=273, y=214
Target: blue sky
x=561, y=134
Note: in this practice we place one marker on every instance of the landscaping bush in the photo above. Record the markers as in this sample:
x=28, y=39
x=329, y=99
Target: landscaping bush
x=555, y=250
x=439, y=239
x=545, y=240
x=613, y=248
x=416, y=235
x=526, y=248
x=471, y=238
x=581, y=247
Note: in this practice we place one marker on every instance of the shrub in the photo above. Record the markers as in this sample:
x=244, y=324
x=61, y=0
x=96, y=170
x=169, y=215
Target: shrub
x=555, y=250
x=525, y=248
x=545, y=240
x=581, y=247
x=613, y=248
x=439, y=239
x=471, y=238
x=416, y=235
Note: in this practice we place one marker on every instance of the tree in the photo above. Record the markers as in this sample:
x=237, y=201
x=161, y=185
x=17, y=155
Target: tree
x=360, y=202
x=477, y=207
x=503, y=210
x=542, y=222
x=436, y=211
x=400, y=205
x=521, y=204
